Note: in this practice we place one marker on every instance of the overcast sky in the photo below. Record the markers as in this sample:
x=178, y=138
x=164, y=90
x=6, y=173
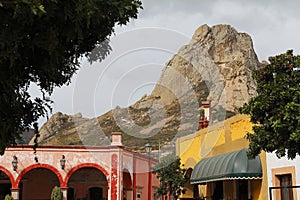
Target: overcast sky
x=141, y=49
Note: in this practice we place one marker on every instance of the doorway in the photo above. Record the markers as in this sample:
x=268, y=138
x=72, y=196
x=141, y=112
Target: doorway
x=243, y=189
x=70, y=194
x=96, y=193
x=218, y=191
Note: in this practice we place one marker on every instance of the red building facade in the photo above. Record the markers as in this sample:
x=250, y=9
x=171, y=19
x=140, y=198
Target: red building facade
x=82, y=172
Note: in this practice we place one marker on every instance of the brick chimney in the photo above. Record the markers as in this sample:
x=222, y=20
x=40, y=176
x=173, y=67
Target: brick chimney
x=116, y=139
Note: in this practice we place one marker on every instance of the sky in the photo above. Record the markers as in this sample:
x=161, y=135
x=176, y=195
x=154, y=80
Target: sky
x=142, y=48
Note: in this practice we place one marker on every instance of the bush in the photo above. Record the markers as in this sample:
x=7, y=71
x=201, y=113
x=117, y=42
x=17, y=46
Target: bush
x=8, y=197
x=56, y=194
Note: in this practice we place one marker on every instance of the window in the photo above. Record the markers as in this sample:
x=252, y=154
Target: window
x=286, y=193
x=282, y=177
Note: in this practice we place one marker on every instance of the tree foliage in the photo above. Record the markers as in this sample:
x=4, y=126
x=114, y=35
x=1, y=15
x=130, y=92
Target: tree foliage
x=171, y=176
x=275, y=111
x=42, y=42
x=8, y=197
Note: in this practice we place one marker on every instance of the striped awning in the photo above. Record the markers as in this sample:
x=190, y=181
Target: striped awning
x=229, y=166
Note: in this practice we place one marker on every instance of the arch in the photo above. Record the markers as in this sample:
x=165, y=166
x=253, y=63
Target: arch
x=127, y=177
x=83, y=165
x=127, y=184
x=35, y=166
x=10, y=176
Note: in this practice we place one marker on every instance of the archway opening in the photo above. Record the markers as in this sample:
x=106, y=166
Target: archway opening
x=38, y=183
x=127, y=185
x=88, y=183
x=5, y=185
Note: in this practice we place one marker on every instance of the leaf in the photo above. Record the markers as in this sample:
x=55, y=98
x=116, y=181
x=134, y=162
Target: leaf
x=34, y=10
x=42, y=8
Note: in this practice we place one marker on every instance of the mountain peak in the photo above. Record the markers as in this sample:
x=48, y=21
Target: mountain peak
x=215, y=66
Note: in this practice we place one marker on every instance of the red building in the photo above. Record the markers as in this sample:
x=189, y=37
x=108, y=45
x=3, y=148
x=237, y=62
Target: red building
x=82, y=172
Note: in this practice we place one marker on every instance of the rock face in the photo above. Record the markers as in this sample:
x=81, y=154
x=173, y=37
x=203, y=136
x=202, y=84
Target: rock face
x=219, y=56
x=215, y=66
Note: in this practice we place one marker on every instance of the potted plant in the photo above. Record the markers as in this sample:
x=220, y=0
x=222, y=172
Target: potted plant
x=201, y=114
x=201, y=120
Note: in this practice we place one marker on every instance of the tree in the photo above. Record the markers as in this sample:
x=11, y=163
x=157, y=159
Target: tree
x=56, y=194
x=42, y=42
x=171, y=176
x=275, y=111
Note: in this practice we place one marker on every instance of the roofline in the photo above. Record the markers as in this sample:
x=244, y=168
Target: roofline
x=78, y=147
x=211, y=128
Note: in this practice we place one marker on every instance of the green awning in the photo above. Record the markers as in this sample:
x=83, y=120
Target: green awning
x=233, y=165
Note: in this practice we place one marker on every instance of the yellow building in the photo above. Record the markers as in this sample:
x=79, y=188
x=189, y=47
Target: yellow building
x=220, y=169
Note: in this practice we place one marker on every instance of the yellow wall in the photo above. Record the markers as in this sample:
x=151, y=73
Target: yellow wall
x=221, y=138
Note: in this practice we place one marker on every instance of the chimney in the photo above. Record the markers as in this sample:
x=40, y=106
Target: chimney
x=205, y=114
x=116, y=139
x=207, y=111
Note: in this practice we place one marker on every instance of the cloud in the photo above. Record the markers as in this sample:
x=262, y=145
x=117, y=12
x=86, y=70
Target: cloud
x=271, y=24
